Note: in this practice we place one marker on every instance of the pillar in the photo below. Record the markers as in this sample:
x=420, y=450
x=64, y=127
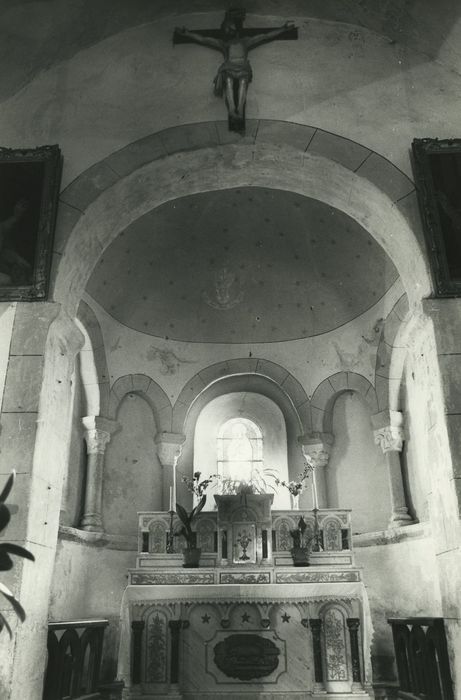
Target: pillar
x=389, y=435
x=137, y=628
x=353, y=624
x=97, y=434
x=35, y=439
x=316, y=627
x=316, y=448
x=175, y=631
x=169, y=448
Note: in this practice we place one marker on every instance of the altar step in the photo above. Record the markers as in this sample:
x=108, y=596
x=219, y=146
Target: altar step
x=255, y=695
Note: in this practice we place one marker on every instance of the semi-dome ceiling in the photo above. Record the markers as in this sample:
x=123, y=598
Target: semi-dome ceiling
x=241, y=265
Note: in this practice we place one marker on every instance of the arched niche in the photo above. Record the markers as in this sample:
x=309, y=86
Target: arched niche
x=243, y=383
x=132, y=471
x=261, y=411
x=356, y=475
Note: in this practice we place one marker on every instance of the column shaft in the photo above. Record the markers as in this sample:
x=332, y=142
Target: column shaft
x=137, y=627
x=353, y=624
x=92, y=516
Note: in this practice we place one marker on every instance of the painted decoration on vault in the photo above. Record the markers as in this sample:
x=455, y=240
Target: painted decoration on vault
x=241, y=265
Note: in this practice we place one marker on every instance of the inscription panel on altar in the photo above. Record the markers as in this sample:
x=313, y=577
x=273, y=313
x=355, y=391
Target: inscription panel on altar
x=244, y=543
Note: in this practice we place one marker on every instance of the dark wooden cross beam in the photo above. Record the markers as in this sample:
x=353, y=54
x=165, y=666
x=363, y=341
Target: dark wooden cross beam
x=179, y=38
x=234, y=42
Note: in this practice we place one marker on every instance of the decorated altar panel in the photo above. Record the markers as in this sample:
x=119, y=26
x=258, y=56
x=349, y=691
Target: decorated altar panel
x=246, y=621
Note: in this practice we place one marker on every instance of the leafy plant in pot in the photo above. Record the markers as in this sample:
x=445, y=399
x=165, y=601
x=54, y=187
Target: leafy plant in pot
x=6, y=563
x=191, y=552
x=301, y=544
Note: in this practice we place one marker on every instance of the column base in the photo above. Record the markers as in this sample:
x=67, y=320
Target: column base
x=91, y=523
x=400, y=518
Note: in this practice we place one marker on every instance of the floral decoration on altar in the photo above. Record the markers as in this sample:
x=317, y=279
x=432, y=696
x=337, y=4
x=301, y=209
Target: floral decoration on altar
x=197, y=486
x=297, y=486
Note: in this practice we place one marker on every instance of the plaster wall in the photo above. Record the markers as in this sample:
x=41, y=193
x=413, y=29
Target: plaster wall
x=346, y=78
x=132, y=473
x=357, y=471
x=411, y=590
x=88, y=583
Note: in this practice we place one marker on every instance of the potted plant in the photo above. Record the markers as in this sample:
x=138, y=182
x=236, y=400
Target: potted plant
x=301, y=544
x=198, y=487
x=6, y=563
x=257, y=483
x=191, y=552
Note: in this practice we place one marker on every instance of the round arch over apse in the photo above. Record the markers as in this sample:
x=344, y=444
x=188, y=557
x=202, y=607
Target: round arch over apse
x=194, y=158
x=252, y=376
x=244, y=374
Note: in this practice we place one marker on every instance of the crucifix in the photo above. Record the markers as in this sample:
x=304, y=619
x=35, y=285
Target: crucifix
x=235, y=43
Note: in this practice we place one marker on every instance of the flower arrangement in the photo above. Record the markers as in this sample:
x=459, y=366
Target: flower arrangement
x=197, y=486
x=296, y=486
x=257, y=483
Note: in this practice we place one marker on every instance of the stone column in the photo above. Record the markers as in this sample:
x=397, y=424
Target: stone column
x=97, y=433
x=389, y=435
x=169, y=448
x=316, y=448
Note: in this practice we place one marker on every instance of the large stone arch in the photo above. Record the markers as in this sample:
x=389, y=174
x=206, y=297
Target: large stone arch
x=390, y=357
x=93, y=363
x=275, y=382
x=195, y=158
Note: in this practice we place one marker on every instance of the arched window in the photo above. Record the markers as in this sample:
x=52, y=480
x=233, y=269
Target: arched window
x=239, y=449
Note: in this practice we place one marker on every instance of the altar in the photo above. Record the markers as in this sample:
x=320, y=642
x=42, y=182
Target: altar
x=247, y=623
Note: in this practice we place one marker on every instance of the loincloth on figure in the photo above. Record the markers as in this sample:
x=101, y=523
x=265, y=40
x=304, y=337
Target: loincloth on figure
x=231, y=69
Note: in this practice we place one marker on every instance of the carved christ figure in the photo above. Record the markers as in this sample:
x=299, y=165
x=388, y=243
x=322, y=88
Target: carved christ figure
x=235, y=74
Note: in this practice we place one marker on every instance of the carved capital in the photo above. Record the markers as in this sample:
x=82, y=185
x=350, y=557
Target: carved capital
x=97, y=433
x=169, y=448
x=388, y=431
x=316, y=448
x=96, y=441
x=390, y=438
x=353, y=623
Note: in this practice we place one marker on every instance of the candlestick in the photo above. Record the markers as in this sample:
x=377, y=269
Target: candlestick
x=314, y=493
x=171, y=499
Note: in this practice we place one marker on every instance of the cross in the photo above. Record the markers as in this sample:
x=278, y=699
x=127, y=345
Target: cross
x=235, y=43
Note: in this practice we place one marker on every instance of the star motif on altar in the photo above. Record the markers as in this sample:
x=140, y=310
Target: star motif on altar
x=285, y=617
x=205, y=619
x=245, y=617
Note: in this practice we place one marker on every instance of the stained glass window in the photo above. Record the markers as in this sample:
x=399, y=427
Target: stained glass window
x=240, y=449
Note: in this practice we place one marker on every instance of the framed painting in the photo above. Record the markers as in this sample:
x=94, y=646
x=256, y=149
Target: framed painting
x=437, y=168
x=29, y=189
